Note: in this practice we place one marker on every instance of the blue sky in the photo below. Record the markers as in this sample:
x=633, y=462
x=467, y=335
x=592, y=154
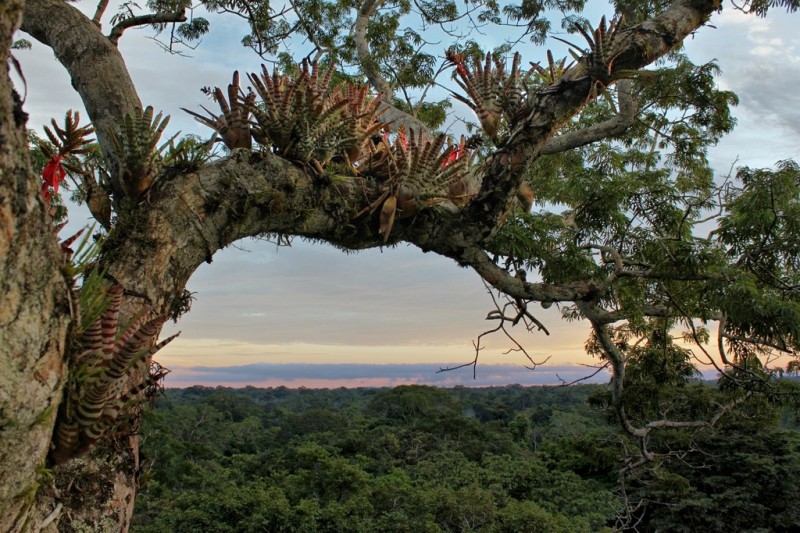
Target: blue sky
x=409, y=312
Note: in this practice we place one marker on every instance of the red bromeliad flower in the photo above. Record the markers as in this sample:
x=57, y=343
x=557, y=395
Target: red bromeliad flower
x=454, y=156
x=52, y=174
x=401, y=136
x=458, y=61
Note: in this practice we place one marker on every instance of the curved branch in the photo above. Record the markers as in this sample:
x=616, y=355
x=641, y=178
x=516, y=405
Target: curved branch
x=142, y=20
x=618, y=374
x=396, y=117
x=616, y=125
x=515, y=287
x=392, y=115
x=634, y=48
x=191, y=216
x=617, y=360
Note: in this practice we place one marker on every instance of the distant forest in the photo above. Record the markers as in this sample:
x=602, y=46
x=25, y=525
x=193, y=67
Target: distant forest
x=423, y=459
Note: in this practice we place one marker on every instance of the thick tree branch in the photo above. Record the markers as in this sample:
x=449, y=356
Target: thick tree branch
x=618, y=372
x=143, y=20
x=616, y=125
x=191, y=216
x=391, y=115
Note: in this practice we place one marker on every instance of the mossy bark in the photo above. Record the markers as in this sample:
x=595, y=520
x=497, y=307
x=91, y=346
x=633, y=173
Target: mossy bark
x=34, y=309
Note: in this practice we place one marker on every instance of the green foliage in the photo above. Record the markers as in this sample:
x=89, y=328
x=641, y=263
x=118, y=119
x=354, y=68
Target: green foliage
x=417, y=458
x=93, y=299
x=760, y=7
x=744, y=479
x=432, y=114
x=194, y=29
x=760, y=232
x=413, y=402
x=401, y=460
x=21, y=44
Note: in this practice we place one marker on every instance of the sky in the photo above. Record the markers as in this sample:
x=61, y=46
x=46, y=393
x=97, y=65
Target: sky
x=310, y=315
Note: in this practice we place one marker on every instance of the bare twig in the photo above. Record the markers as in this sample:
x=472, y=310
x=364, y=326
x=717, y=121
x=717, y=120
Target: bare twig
x=597, y=370
x=499, y=314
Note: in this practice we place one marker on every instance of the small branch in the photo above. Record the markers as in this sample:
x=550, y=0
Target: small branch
x=752, y=340
x=721, y=343
x=608, y=128
x=51, y=517
x=499, y=314
x=368, y=63
x=101, y=9
x=474, y=362
x=616, y=258
x=142, y=20
x=727, y=408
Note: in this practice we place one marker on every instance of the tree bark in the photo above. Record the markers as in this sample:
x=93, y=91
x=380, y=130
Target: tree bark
x=34, y=310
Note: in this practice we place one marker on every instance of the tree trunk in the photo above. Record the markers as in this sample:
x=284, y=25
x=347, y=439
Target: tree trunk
x=34, y=311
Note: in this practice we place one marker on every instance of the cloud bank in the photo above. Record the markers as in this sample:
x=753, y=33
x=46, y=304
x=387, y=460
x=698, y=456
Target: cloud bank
x=389, y=375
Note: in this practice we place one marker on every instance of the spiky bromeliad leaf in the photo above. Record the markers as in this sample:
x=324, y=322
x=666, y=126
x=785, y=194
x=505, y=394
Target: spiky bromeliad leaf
x=72, y=139
x=65, y=144
x=233, y=125
x=319, y=133
x=306, y=118
x=303, y=106
x=189, y=153
x=363, y=122
x=554, y=71
x=277, y=113
x=138, y=150
x=493, y=95
x=599, y=61
x=419, y=173
x=104, y=362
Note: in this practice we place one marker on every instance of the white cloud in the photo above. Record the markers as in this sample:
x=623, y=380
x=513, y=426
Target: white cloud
x=376, y=375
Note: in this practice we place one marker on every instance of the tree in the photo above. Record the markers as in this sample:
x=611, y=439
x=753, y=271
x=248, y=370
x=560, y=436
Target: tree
x=612, y=241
